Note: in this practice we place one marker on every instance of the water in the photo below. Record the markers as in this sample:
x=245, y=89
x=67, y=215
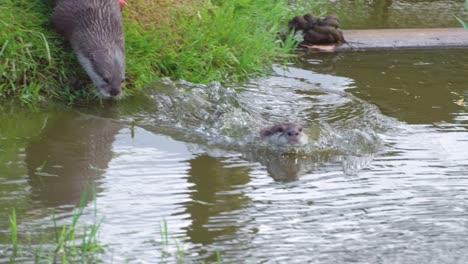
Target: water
x=365, y=14
x=382, y=180
x=375, y=187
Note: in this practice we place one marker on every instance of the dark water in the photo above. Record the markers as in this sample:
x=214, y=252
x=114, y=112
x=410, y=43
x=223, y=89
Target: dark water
x=383, y=180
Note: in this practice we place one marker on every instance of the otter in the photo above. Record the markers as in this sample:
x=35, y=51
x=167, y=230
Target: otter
x=311, y=36
x=94, y=28
x=310, y=18
x=286, y=134
x=315, y=30
x=323, y=35
x=330, y=20
x=299, y=23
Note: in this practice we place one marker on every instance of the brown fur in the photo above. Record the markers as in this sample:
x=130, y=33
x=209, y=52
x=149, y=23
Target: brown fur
x=318, y=30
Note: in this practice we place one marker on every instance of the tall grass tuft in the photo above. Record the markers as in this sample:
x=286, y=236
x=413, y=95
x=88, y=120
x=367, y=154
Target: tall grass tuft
x=14, y=233
x=73, y=243
x=219, y=258
x=221, y=40
x=164, y=233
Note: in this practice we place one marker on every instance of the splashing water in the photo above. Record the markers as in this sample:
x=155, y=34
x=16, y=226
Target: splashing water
x=230, y=119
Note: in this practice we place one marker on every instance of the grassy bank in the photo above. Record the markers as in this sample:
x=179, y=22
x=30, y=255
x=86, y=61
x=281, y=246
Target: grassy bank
x=32, y=58
x=199, y=41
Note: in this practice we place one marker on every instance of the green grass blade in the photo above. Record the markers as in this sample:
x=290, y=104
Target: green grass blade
x=55, y=227
x=5, y=44
x=14, y=232
x=462, y=22
x=219, y=258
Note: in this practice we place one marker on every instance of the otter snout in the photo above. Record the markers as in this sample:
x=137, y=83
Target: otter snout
x=293, y=137
x=111, y=88
x=108, y=92
x=115, y=92
x=286, y=134
x=106, y=69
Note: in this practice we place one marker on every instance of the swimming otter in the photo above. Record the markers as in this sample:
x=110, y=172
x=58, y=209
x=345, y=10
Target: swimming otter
x=286, y=134
x=95, y=31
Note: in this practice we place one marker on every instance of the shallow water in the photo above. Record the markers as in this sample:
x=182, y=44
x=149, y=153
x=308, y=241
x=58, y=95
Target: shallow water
x=383, y=179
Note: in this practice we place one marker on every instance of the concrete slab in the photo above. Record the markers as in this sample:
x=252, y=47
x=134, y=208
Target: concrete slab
x=387, y=39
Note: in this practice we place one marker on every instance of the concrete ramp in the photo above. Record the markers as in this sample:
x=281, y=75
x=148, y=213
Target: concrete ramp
x=388, y=39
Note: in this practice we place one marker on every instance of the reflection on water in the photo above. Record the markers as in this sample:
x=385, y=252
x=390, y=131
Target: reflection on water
x=418, y=87
x=369, y=188
x=71, y=152
x=216, y=197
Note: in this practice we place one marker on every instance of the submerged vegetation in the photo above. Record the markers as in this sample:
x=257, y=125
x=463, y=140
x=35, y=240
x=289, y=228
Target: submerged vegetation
x=199, y=41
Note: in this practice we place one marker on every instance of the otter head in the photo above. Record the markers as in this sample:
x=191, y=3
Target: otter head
x=310, y=18
x=298, y=23
x=106, y=68
x=286, y=134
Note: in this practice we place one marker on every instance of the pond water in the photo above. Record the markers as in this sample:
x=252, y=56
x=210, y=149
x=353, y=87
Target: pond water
x=363, y=14
x=383, y=179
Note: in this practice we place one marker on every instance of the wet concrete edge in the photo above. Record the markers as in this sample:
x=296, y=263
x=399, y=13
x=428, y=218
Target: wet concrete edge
x=396, y=39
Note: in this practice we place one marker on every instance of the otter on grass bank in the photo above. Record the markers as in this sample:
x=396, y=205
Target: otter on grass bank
x=286, y=134
x=318, y=31
x=94, y=29
x=300, y=23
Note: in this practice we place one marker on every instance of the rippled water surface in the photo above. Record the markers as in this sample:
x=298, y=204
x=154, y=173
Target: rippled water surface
x=364, y=14
x=383, y=179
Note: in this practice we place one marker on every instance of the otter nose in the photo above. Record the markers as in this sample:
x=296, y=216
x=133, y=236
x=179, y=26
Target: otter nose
x=114, y=92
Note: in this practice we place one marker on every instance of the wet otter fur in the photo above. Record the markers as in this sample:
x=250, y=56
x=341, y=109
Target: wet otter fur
x=94, y=29
x=285, y=134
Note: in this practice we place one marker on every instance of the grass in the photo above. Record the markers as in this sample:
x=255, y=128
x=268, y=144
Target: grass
x=213, y=41
x=14, y=232
x=180, y=252
x=30, y=58
x=75, y=243
x=199, y=41
x=464, y=23
x=71, y=242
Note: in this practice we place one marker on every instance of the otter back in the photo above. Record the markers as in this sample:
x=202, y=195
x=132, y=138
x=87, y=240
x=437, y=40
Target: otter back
x=94, y=29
